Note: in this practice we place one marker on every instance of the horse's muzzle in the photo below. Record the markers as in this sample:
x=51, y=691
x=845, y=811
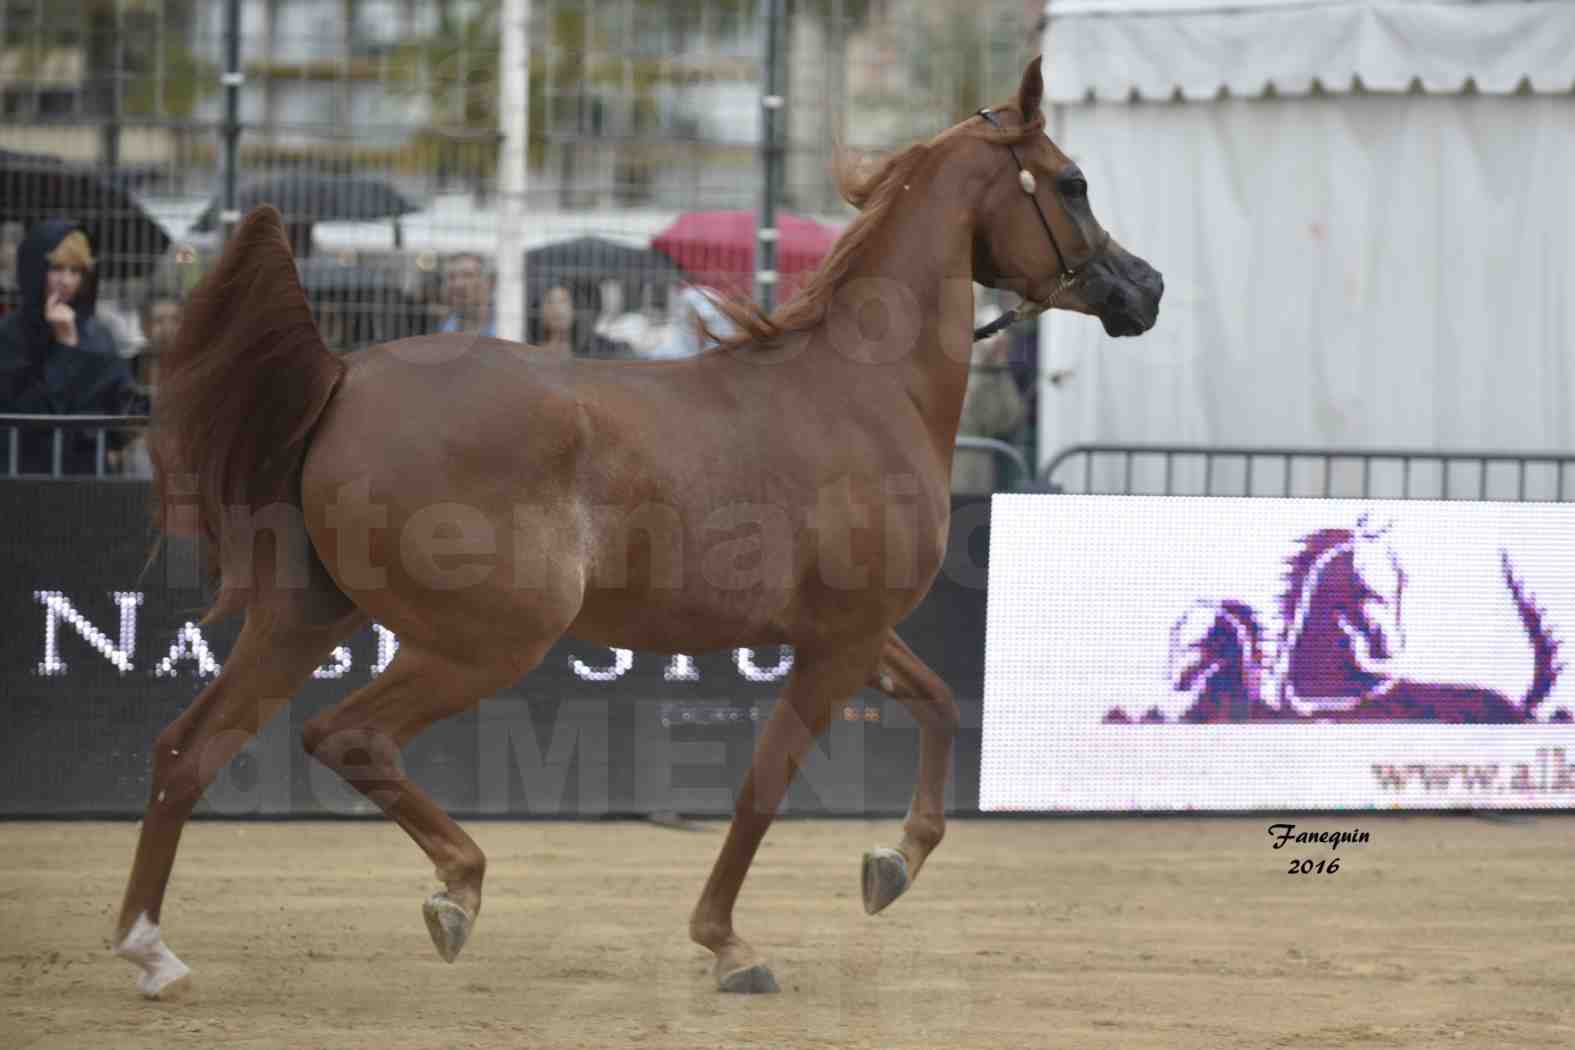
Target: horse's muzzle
x=1131, y=293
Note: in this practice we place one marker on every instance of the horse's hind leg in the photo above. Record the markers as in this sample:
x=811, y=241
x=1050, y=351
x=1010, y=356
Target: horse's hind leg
x=272, y=658
x=361, y=738
x=820, y=680
x=906, y=678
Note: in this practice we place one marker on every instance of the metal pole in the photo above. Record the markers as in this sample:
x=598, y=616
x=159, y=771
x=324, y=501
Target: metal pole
x=232, y=80
x=1041, y=436
x=111, y=132
x=771, y=103
x=514, y=130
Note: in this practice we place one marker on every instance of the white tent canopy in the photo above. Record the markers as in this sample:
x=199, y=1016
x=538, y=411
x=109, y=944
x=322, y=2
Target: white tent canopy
x=1161, y=49
x=1364, y=213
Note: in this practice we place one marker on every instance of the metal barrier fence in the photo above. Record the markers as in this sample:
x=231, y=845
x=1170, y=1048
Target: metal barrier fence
x=1366, y=473
x=90, y=444
x=97, y=437
x=1022, y=475
x=60, y=446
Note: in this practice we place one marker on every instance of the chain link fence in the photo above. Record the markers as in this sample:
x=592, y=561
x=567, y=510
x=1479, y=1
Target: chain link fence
x=375, y=125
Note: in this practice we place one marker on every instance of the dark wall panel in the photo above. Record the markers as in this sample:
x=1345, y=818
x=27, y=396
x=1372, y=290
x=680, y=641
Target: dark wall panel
x=96, y=657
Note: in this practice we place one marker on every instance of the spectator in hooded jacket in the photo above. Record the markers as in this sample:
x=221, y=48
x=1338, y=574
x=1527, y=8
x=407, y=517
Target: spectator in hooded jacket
x=55, y=356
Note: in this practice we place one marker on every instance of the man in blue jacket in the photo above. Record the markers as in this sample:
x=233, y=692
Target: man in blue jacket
x=55, y=356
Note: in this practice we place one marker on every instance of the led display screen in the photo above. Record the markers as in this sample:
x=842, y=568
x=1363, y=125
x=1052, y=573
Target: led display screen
x=1164, y=653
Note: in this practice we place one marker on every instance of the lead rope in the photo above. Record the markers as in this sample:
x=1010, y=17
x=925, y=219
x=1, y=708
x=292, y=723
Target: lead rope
x=1024, y=313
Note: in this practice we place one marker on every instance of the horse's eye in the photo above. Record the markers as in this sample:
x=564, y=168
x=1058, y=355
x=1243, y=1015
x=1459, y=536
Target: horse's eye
x=1074, y=187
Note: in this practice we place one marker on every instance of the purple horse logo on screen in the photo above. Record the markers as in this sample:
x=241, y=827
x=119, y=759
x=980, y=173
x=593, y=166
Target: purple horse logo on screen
x=1336, y=654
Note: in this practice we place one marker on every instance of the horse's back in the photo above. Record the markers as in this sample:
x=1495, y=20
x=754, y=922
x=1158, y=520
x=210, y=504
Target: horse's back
x=444, y=397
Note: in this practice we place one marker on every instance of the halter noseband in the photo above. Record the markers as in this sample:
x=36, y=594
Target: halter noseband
x=1069, y=274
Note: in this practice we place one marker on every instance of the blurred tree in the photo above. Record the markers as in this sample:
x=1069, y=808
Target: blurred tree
x=928, y=63
x=164, y=78
x=139, y=66
x=598, y=70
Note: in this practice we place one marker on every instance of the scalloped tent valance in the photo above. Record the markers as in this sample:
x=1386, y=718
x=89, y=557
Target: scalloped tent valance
x=1127, y=50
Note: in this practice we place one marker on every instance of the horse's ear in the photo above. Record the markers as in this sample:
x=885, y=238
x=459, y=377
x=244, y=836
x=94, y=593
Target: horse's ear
x=1366, y=528
x=1032, y=90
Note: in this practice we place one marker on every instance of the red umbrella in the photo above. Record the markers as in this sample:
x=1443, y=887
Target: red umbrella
x=717, y=248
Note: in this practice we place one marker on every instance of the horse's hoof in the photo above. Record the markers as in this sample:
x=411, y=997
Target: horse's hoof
x=164, y=976
x=885, y=878
x=170, y=986
x=749, y=980
x=448, y=923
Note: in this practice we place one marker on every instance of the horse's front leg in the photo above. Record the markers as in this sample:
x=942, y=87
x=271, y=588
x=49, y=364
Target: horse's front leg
x=904, y=677
x=821, y=680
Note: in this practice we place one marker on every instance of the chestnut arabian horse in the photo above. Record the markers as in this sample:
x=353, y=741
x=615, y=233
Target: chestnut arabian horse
x=482, y=500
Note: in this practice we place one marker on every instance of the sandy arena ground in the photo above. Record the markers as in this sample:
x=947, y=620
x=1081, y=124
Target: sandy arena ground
x=1440, y=932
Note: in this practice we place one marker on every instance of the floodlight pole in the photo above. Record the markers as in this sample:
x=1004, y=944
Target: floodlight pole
x=513, y=172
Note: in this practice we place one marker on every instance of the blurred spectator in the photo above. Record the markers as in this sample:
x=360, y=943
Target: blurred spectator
x=55, y=358
x=641, y=331
x=1024, y=364
x=159, y=316
x=613, y=323
x=682, y=337
x=10, y=241
x=429, y=304
x=468, y=288
x=160, y=319
x=554, y=323
x=551, y=322
x=300, y=235
x=992, y=408
x=335, y=325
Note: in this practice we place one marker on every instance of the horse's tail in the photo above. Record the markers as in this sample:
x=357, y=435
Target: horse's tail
x=238, y=395
x=1544, y=649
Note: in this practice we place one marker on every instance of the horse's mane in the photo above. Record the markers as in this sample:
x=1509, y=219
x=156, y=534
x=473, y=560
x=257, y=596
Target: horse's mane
x=875, y=193
x=1313, y=546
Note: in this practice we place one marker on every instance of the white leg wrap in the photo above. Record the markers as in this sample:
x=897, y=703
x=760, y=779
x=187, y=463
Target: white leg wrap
x=145, y=948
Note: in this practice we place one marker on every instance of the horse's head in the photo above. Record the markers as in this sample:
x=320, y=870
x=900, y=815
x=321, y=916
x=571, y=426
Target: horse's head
x=1037, y=235
x=1342, y=584
x=1216, y=658
x=1376, y=628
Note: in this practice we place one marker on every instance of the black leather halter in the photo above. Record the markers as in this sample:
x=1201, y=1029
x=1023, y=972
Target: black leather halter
x=1069, y=274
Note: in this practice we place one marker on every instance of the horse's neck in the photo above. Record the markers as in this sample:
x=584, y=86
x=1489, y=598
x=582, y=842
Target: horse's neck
x=1321, y=662
x=923, y=263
